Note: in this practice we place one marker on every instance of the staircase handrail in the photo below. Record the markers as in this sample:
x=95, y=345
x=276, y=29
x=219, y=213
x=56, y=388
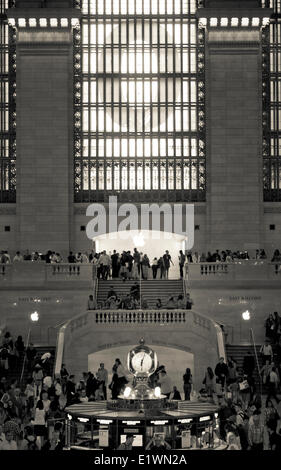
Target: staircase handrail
x=256, y=357
x=24, y=357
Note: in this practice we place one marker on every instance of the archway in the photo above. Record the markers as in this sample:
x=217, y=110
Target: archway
x=175, y=360
x=151, y=242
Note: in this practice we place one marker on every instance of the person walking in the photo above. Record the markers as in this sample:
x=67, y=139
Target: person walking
x=266, y=352
x=256, y=433
x=272, y=385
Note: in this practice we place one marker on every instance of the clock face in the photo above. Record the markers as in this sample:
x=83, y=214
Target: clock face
x=141, y=362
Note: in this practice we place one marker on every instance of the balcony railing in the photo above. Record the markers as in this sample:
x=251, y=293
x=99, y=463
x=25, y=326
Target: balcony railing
x=40, y=273
x=160, y=317
x=246, y=270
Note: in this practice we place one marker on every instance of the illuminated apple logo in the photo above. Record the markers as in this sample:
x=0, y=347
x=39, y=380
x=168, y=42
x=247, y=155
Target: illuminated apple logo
x=34, y=316
x=139, y=240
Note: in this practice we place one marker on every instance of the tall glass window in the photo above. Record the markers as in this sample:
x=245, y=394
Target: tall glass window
x=142, y=72
x=7, y=108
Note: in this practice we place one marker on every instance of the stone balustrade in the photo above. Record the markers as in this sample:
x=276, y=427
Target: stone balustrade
x=39, y=273
x=28, y=273
x=238, y=271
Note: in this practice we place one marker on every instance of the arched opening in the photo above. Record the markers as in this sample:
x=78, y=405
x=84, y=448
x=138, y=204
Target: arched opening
x=154, y=243
x=175, y=360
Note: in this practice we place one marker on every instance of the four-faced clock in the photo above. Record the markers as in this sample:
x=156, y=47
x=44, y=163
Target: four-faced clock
x=142, y=360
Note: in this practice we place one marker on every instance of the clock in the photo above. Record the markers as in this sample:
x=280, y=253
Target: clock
x=142, y=360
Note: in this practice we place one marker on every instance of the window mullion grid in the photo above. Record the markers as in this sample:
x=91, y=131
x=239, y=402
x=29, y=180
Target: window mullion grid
x=104, y=100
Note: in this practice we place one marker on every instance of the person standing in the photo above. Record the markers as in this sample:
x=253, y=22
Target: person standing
x=136, y=256
x=154, y=268
x=272, y=385
x=145, y=267
x=115, y=264
x=167, y=263
x=70, y=390
x=221, y=372
x=187, y=384
x=181, y=262
x=256, y=433
x=165, y=384
x=102, y=377
x=161, y=266
x=209, y=382
x=121, y=376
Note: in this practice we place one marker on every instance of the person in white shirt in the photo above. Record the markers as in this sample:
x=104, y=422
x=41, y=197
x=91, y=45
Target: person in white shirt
x=165, y=384
x=47, y=381
x=83, y=397
x=39, y=423
x=18, y=257
x=266, y=351
x=45, y=400
x=84, y=258
x=8, y=443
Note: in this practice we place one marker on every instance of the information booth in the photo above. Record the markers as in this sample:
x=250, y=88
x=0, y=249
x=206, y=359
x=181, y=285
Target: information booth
x=183, y=425
x=142, y=411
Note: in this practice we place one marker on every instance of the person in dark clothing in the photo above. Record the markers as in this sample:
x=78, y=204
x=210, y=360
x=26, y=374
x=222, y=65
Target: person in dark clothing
x=224, y=412
x=181, y=263
x=114, y=386
x=91, y=384
x=71, y=258
x=249, y=364
x=167, y=263
x=274, y=439
x=221, y=372
x=135, y=291
x=111, y=293
x=70, y=390
x=176, y=394
x=115, y=264
x=187, y=384
x=30, y=355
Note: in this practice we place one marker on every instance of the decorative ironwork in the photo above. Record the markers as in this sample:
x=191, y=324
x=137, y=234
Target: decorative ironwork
x=139, y=91
x=271, y=104
x=7, y=107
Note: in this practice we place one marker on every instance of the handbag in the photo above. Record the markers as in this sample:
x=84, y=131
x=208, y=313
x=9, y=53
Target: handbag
x=243, y=385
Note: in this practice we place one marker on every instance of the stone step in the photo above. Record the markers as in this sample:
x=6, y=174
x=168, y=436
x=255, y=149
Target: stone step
x=150, y=290
x=238, y=351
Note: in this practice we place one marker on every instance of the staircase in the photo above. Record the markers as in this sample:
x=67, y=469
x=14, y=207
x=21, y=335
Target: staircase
x=15, y=373
x=238, y=352
x=151, y=290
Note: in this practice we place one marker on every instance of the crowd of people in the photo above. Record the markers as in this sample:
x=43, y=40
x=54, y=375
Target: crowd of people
x=244, y=423
x=132, y=300
x=132, y=264
x=32, y=412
